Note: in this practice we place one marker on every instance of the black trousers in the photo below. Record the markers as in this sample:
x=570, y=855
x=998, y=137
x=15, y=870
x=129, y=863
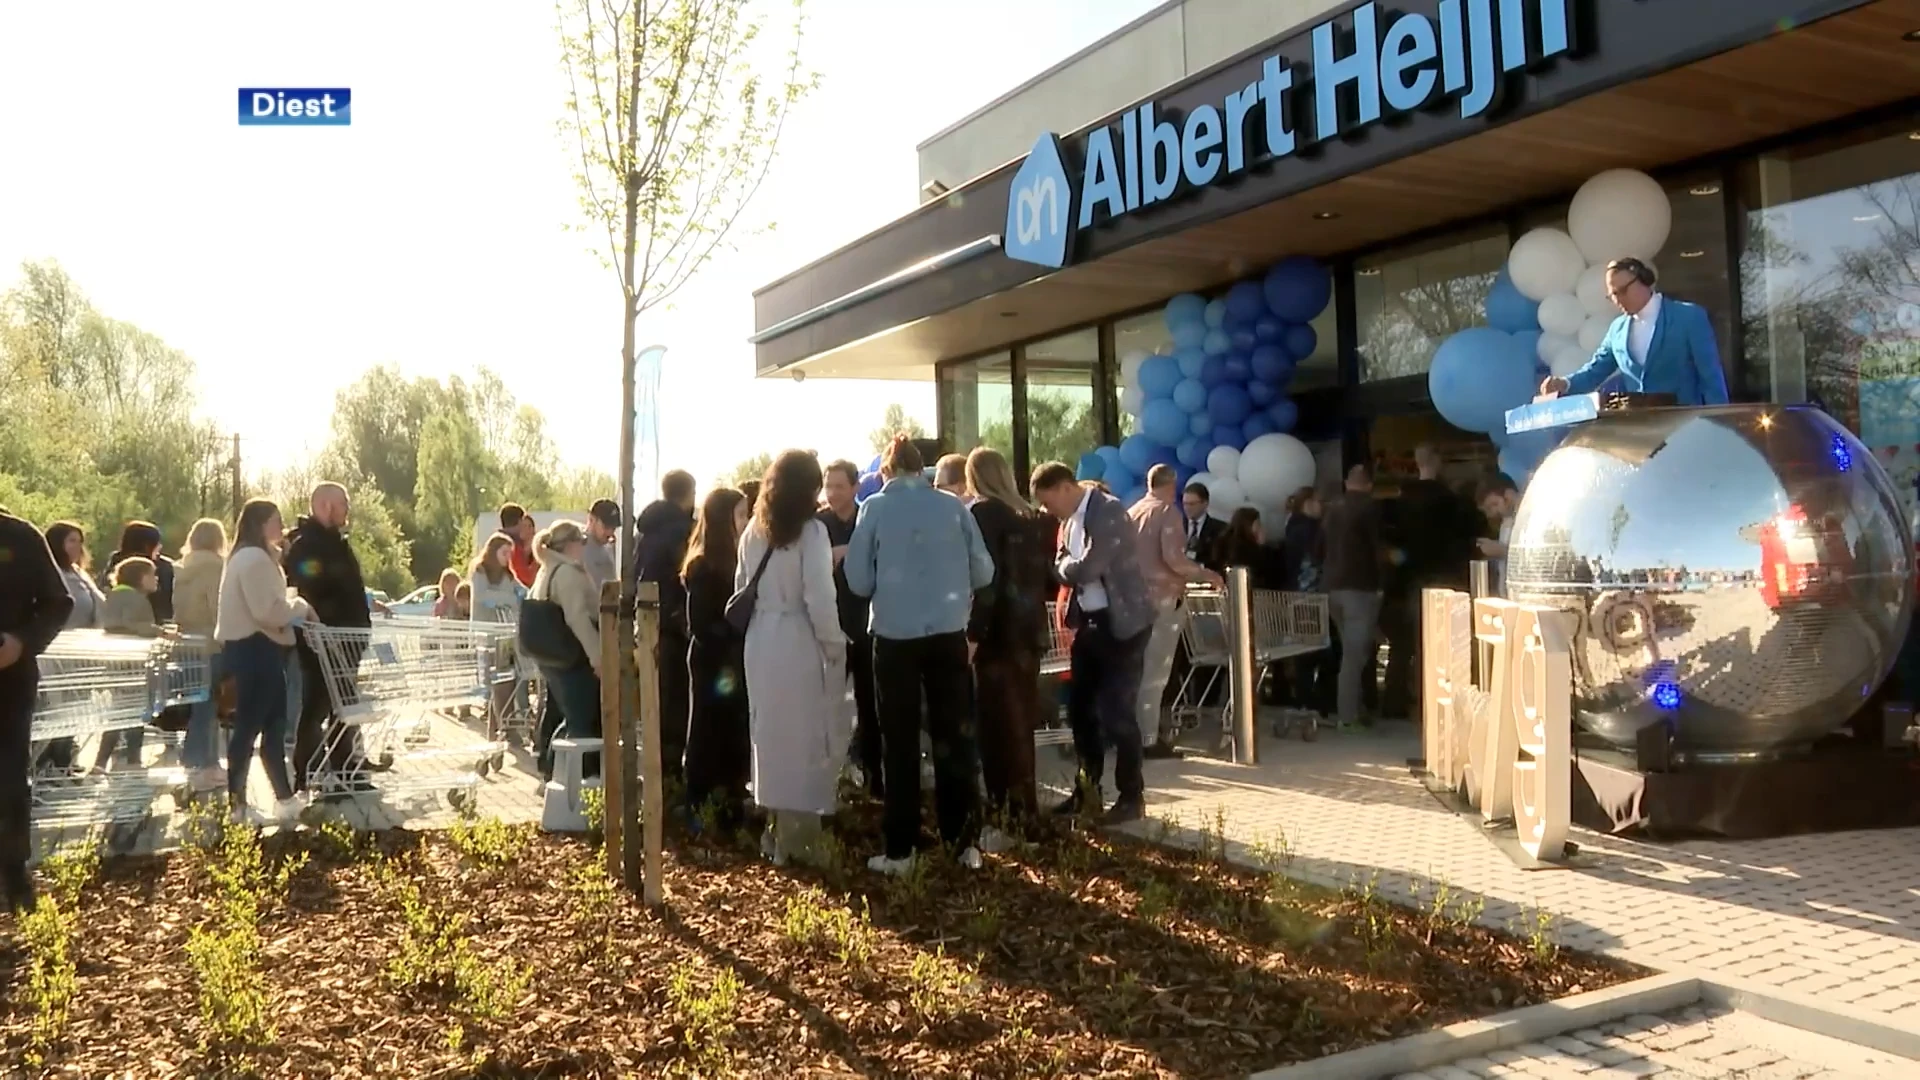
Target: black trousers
x=320, y=735
x=19, y=688
x=1400, y=625
x=868, y=743
x=1010, y=710
x=671, y=661
x=1101, y=703
x=935, y=667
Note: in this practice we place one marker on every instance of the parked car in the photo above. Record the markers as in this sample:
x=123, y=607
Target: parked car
x=418, y=602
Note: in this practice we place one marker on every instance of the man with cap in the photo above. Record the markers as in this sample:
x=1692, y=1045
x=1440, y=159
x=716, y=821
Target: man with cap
x=603, y=528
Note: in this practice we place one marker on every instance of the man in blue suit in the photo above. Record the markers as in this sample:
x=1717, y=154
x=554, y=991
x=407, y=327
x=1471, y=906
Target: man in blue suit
x=1658, y=345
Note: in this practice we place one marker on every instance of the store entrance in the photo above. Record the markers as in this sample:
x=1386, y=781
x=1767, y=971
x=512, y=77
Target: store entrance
x=1392, y=439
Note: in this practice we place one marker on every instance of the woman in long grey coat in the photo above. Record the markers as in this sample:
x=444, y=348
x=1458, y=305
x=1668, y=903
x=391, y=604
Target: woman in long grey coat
x=796, y=658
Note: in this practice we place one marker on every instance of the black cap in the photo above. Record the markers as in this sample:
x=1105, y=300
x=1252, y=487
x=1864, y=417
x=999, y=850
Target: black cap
x=606, y=512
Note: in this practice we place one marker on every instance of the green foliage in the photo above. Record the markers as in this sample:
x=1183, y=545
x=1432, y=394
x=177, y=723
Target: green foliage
x=1061, y=426
x=754, y=468
x=224, y=952
x=836, y=931
x=437, y=953
x=706, y=1016
x=489, y=841
x=936, y=986
x=48, y=932
x=895, y=422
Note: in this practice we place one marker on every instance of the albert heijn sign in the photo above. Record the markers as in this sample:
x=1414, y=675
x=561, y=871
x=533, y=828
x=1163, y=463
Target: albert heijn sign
x=1364, y=67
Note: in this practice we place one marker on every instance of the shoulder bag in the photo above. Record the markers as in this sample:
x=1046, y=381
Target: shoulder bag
x=740, y=605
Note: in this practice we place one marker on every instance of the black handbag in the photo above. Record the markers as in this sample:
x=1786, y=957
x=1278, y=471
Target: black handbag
x=740, y=605
x=543, y=634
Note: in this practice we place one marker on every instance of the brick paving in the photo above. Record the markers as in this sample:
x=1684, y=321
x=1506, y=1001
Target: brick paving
x=1835, y=915
x=1690, y=1044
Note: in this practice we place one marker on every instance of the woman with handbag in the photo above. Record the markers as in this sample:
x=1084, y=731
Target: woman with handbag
x=796, y=657
x=719, y=763
x=560, y=628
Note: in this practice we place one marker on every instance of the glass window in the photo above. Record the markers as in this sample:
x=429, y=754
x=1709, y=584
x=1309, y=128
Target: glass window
x=1061, y=422
x=976, y=404
x=1830, y=283
x=1144, y=333
x=1321, y=368
x=1411, y=299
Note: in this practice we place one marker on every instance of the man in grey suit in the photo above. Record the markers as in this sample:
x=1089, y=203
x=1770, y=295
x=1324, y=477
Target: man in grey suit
x=1111, y=614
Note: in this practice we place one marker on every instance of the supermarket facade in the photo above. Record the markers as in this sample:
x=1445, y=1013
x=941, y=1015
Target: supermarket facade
x=1407, y=148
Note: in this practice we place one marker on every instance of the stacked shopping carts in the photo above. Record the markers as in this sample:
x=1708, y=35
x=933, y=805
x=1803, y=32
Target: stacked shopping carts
x=95, y=685
x=1285, y=626
x=391, y=687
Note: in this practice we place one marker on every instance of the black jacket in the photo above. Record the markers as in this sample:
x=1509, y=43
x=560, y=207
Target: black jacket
x=1352, y=524
x=323, y=569
x=162, y=597
x=1265, y=565
x=853, y=607
x=1205, y=549
x=34, y=603
x=1434, y=529
x=1302, y=553
x=1010, y=614
x=660, y=546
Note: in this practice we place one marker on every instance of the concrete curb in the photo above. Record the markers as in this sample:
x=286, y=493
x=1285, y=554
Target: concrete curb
x=1476, y=1038
x=1654, y=994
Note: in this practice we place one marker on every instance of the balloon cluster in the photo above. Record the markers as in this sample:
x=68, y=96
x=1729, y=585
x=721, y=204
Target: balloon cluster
x=1547, y=313
x=1213, y=402
x=870, y=481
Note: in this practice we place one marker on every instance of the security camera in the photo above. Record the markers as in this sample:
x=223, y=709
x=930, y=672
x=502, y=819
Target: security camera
x=799, y=376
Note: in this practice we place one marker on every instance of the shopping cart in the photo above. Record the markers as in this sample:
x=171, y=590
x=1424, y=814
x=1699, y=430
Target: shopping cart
x=389, y=685
x=1056, y=663
x=515, y=700
x=1285, y=625
x=94, y=683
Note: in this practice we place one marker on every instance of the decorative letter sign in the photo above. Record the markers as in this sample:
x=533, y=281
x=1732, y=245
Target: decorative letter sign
x=1508, y=743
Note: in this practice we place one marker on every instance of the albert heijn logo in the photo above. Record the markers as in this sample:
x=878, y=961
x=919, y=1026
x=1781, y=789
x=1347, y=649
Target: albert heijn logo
x=1040, y=207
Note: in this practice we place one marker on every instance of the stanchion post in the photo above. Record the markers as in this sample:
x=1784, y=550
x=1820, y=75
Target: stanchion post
x=1240, y=665
x=613, y=784
x=651, y=806
x=1480, y=587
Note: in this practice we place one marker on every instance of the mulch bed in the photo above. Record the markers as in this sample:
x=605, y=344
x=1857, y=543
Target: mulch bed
x=1082, y=956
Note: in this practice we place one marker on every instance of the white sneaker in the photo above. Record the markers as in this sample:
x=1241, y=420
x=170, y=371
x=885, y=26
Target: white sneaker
x=208, y=778
x=248, y=816
x=288, y=811
x=880, y=864
x=993, y=841
x=970, y=859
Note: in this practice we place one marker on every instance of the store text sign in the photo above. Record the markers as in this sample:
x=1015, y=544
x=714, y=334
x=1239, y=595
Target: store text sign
x=1367, y=65
x=1507, y=741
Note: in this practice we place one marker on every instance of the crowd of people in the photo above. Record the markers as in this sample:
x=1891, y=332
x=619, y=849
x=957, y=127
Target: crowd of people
x=803, y=635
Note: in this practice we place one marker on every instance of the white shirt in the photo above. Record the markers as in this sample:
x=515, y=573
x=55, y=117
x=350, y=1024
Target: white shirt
x=1640, y=330
x=1093, y=595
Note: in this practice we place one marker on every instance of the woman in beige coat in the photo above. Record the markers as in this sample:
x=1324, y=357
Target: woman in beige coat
x=196, y=611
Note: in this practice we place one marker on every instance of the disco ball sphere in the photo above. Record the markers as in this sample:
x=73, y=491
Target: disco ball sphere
x=1741, y=573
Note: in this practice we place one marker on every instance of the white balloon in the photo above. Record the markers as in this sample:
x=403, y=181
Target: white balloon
x=1592, y=291
x=1569, y=360
x=1133, y=400
x=1620, y=213
x=1204, y=479
x=1227, y=497
x=1275, y=466
x=1562, y=314
x=1130, y=367
x=1224, y=461
x=1544, y=262
x=1552, y=345
x=1593, y=332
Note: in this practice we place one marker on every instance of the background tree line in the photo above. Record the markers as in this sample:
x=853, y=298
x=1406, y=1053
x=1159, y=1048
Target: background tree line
x=101, y=429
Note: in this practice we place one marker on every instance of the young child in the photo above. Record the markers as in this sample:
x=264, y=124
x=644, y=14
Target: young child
x=128, y=610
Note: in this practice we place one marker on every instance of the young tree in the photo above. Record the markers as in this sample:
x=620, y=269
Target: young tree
x=676, y=127
x=895, y=422
x=753, y=468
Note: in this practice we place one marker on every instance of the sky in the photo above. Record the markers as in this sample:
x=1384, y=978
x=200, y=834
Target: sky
x=431, y=233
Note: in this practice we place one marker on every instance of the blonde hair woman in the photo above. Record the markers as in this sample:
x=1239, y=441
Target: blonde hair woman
x=560, y=628
x=196, y=610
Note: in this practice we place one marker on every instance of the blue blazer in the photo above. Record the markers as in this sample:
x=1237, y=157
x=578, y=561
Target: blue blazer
x=1682, y=358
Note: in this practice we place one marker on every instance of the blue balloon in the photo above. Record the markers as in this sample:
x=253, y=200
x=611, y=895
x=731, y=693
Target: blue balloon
x=1301, y=340
x=1190, y=395
x=1185, y=308
x=1181, y=475
x=1284, y=414
x=1110, y=455
x=874, y=465
x=1262, y=394
x=1531, y=339
x=1163, y=455
x=1118, y=479
x=1477, y=375
x=1507, y=309
x=1245, y=301
x=1532, y=446
x=1200, y=425
x=1091, y=467
x=1229, y=436
x=1268, y=330
x=1297, y=289
x=1163, y=422
x=1237, y=370
x=870, y=484
x=1158, y=376
x=1243, y=340
x=1218, y=343
x=1190, y=361
x=1133, y=495
x=1213, y=372
x=1257, y=425
x=1228, y=404
x=1267, y=362
x=1518, y=466
x=1193, y=452
x=1189, y=335
x=1216, y=315
x=1136, y=453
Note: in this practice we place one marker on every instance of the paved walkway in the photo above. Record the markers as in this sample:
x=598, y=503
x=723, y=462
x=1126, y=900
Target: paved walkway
x=1837, y=915
x=1693, y=1044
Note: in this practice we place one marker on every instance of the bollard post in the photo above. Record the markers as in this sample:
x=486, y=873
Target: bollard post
x=1480, y=587
x=613, y=786
x=1240, y=665
x=644, y=861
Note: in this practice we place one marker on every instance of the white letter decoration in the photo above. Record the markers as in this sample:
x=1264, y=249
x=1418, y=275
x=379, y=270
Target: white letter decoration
x=1540, y=698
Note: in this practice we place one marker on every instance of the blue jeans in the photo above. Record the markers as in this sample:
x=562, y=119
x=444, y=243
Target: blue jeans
x=259, y=667
x=201, y=749
x=577, y=692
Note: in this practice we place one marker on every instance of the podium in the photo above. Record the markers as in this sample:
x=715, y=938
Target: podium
x=1567, y=410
